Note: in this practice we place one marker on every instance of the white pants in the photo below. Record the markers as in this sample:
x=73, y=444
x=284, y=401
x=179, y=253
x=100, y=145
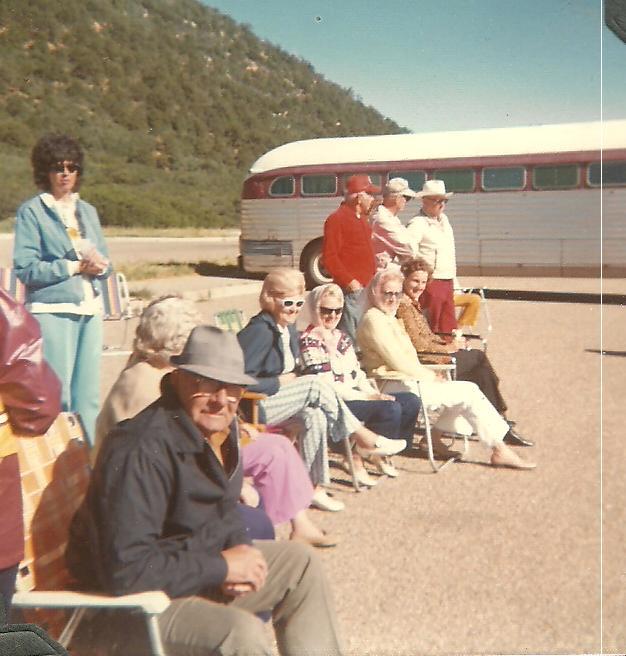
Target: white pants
x=460, y=399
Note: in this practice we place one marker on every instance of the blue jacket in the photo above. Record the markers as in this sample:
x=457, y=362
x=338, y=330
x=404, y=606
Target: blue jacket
x=42, y=247
x=263, y=351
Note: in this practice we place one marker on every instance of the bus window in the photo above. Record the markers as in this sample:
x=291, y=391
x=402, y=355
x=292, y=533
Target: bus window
x=555, y=177
x=284, y=186
x=456, y=179
x=319, y=185
x=376, y=179
x=415, y=179
x=613, y=174
x=504, y=178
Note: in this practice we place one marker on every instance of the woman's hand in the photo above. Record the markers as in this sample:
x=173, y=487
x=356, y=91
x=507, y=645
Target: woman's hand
x=379, y=396
x=285, y=379
x=249, y=495
x=93, y=264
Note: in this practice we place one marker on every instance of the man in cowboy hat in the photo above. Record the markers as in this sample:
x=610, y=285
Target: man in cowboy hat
x=433, y=240
x=348, y=253
x=392, y=241
x=160, y=514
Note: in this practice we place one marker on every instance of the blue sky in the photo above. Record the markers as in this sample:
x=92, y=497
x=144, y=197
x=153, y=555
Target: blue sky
x=454, y=64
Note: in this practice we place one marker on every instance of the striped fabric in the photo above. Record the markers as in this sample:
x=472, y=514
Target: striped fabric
x=231, y=320
x=10, y=283
x=112, y=298
x=54, y=472
x=323, y=414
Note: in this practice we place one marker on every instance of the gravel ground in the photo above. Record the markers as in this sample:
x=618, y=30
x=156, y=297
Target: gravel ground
x=476, y=560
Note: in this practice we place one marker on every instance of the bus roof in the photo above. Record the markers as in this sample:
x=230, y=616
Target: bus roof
x=566, y=137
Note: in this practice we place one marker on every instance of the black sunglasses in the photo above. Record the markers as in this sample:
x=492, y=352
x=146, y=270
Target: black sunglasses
x=326, y=311
x=60, y=167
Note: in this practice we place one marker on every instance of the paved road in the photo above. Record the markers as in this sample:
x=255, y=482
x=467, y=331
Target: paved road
x=481, y=561
x=155, y=249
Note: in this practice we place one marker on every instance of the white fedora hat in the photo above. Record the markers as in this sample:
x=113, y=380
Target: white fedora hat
x=434, y=188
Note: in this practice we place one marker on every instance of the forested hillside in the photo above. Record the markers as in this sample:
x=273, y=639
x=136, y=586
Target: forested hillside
x=171, y=100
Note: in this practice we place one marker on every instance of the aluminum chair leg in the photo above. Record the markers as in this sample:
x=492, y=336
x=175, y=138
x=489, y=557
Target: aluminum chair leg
x=154, y=634
x=72, y=624
x=348, y=448
x=429, y=440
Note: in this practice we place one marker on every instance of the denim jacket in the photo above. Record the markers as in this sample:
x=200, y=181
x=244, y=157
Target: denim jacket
x=42, y=249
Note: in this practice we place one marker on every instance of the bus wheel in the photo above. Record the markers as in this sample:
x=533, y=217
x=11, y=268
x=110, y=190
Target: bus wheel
x=312, y=267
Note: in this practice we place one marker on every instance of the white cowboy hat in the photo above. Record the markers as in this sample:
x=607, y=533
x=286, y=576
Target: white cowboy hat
x=434, y=188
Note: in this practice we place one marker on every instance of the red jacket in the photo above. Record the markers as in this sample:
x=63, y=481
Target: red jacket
x=30, y=393
x=348, y=253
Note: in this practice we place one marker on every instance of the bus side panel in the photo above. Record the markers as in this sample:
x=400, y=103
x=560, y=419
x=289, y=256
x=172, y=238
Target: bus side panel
x=292, y=222
x=614, y=230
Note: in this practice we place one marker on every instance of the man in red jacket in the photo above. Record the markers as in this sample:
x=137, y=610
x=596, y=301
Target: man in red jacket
x=348, y=253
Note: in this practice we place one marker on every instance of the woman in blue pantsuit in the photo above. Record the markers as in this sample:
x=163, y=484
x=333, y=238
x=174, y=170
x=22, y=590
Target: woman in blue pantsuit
x=60, y=254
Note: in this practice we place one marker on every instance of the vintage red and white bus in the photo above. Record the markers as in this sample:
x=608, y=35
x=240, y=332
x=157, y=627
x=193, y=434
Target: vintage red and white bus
x=545, y=199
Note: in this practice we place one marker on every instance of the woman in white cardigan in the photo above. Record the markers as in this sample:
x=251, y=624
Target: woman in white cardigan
x=388, y=354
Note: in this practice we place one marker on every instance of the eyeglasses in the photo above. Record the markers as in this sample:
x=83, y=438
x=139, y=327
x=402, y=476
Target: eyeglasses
x=290, y=302
x=210, y=387
x=60, y=167
x=326, y=311
x=389, y=296
x=436, y=201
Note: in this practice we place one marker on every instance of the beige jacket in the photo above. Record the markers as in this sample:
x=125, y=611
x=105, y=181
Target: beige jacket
x=387, y=351
x=135, y=389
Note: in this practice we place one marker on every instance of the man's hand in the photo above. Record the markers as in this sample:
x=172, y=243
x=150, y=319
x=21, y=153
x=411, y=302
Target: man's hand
x=247, y=570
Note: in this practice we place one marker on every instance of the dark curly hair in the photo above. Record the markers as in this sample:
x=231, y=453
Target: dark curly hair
x=49, y=150
x=416, y=264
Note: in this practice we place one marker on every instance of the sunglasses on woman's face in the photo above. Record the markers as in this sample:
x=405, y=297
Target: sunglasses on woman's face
x=61, y=167
x=391, y=296
x=291, y=302
x=327, y=312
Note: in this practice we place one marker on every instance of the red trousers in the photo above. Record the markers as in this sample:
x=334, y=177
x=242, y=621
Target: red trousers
x=438, y=301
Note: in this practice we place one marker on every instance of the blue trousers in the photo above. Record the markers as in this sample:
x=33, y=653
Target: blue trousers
x=72, y=345
x=393, y=419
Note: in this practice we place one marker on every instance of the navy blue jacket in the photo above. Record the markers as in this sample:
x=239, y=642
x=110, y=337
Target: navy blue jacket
x=160, y=508
x=263, y=351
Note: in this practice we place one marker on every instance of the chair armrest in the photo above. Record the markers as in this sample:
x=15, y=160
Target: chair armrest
x=151, y=603
x=253, y=396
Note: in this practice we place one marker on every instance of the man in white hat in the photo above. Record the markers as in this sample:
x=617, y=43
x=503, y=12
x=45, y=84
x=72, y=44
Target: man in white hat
x=160, y=514
x=391, y=240
x=433, y=239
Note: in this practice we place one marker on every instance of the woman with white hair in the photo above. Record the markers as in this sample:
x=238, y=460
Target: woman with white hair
x=162, y=331
x=269, y=461
x=388, y=354
x=329, y=353
x=272, y=353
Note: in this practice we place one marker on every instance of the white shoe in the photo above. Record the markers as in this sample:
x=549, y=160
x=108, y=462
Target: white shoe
x=383, y=447
x=323, y=501
x=361, y=475
x=384, y=466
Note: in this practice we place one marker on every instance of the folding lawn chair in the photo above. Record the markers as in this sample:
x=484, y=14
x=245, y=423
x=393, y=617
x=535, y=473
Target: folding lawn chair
x=55, y=474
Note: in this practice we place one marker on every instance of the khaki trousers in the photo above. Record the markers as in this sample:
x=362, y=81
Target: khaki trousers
x=297, y=594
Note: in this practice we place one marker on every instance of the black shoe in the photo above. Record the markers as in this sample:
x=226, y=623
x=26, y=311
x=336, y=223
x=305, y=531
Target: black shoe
x=514, y=438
